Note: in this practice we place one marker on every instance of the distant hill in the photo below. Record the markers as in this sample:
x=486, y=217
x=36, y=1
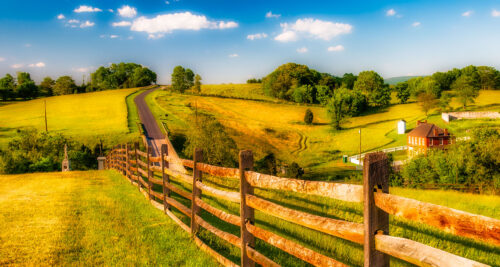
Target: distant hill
x=395, y=80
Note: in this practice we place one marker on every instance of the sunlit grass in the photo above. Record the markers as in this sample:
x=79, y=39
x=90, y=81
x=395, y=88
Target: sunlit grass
x=87, y=219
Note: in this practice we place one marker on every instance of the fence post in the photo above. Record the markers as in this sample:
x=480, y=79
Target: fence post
x=375, y=179
x=136, y=148
x=197, y=157
x=127, y=163
x=246, y=212
x=150, y=185
x=165, y=178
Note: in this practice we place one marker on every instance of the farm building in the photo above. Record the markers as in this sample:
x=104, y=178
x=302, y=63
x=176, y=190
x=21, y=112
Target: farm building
x=426, y=136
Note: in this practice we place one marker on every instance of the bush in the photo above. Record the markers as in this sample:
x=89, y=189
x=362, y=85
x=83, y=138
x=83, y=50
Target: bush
x=294, y=171
x=308, y=117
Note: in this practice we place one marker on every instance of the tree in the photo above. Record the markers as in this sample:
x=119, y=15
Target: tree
x=428, y=85
x=26, y=87
x=7, y=85
x=372, y=85
x=23, y=77
x=179, y=79
x=402, y=92
x=444, y=101
x=488, y=77
x=253, y=80
x=197, y=83
x=64, y=85
x=348, y=80
x=189, y=78
x=339, y=107
x=282, y=81
x=466, y=89
x=308, y=117
x=444, y=80
x=121, y=75
x=427, y=101
x=46, y=86
x=143, y=77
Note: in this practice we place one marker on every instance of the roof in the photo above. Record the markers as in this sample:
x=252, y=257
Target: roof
x=426, y=130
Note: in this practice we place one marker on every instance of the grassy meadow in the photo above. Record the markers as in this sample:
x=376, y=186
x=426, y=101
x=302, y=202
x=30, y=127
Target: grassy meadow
x=265, y=127
x=85, y=117
x=87, y=219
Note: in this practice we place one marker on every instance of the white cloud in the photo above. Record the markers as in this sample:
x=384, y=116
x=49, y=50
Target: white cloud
x=335, y=48
x=113, y=36
x=160, y=25
x=73, y=21
x=271, y=15
x=17, y=66
x=315, y=28
x=233, y=55
x=416, y=24
x=37, y=65
x=122, y=24
x=84, y=8
x=111, y=10
x=467, y=13
x=87, y=24
x=391, y=12
x=127, y=12
x=302, y=50
x=2, y=59
x=495, y=13
x=256, y=36
x=61, y=16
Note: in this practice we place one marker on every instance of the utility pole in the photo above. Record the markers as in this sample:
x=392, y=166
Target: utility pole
x=45, y=107
x=359, y=146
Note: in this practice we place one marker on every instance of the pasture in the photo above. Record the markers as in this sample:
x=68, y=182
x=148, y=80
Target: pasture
x=278, y=128
x=85, y=117
x=87, y=219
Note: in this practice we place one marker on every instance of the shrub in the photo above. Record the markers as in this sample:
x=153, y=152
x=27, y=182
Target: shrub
x=308, y=117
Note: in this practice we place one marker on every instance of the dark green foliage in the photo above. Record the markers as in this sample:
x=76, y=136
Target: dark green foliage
x=197, y=83
x=473, y=162
x=122, y=75
x=305, y=94
x=253, y=80
x=47, y=86
x=344, y=104
x=402, y=92
x=348, y=80
x=294, y=171
x=207, y=133
x=64, y=85
x=32, y=151
x=372, y=85
x=182, y=79
x=466, y=89
x=308, y=117
x=26, y=87
x=7, y=85
x=266, y=165
x=282, y=82
x=444, y=102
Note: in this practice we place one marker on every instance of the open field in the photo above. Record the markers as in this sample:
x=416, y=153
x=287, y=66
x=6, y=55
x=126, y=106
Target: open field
x=86, y=117
x=87, y=219
x=345, y=251
x=252, y=91
x=266, y=127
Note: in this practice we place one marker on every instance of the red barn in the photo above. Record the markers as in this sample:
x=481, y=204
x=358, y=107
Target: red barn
x=425, y=136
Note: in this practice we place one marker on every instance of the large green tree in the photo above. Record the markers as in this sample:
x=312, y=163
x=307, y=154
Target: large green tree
x=402, y=92
x=197, y=83
x=26, y=87
x=7, y=85
x=466, y=89
x=64, y=85
x=372, y=85
x=121, y=75
x=46, y=86
x=488, y=77
x=344, y=104
x=348, y=80
x=282, y=82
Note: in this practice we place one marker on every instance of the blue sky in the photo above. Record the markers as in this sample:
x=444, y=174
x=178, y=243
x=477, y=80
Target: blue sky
x=231, y=41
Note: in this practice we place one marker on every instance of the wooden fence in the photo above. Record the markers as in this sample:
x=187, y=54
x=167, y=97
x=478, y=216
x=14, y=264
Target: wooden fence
x=139, y=167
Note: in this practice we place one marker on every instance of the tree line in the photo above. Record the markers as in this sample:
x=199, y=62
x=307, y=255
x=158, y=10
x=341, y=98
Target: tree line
x=122, y=75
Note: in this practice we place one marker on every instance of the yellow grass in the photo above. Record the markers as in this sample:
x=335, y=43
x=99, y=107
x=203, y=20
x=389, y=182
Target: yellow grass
x=83, y=116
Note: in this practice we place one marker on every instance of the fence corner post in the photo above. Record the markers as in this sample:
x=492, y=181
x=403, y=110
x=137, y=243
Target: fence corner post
x=137, y=173
x=196, y=192
x=150, y=184
x=246, y=213
x=375, y=179
x=164, y=177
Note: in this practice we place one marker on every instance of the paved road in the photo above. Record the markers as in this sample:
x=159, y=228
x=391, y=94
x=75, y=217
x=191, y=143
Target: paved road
x=152, y=129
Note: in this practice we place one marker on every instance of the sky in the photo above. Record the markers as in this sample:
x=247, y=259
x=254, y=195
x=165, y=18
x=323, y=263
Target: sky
x=233, y=40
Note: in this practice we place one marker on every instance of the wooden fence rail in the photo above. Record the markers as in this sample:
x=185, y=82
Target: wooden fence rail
x=140, y=168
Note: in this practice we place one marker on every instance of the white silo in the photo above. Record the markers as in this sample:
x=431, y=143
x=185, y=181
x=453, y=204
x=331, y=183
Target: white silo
x=401, y=127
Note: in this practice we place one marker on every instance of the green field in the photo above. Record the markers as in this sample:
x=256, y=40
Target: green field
x=87, y=219
x=86, y=117
x=266, y=127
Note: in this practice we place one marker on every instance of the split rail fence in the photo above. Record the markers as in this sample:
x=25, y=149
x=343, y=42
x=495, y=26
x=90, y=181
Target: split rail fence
x=139, y=167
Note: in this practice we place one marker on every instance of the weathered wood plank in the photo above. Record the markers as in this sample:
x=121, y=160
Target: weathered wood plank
x=142, y=172
x=221, y=259
x=187, y=163
x=420, y=254
x=450, y=220
x=154, y=159
x=157, y=195
x=229, y=218
x=343, y=229
x=218, y=171
x=179, y=206
x=345, y=192
x=142, y=154
x=232, y=239
x=259, y=258
x=293, y=248
x=179, y=191
x=156, y=181
x=142, y=163
x=226, y=195
x=143, y=182
x=181, y=176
